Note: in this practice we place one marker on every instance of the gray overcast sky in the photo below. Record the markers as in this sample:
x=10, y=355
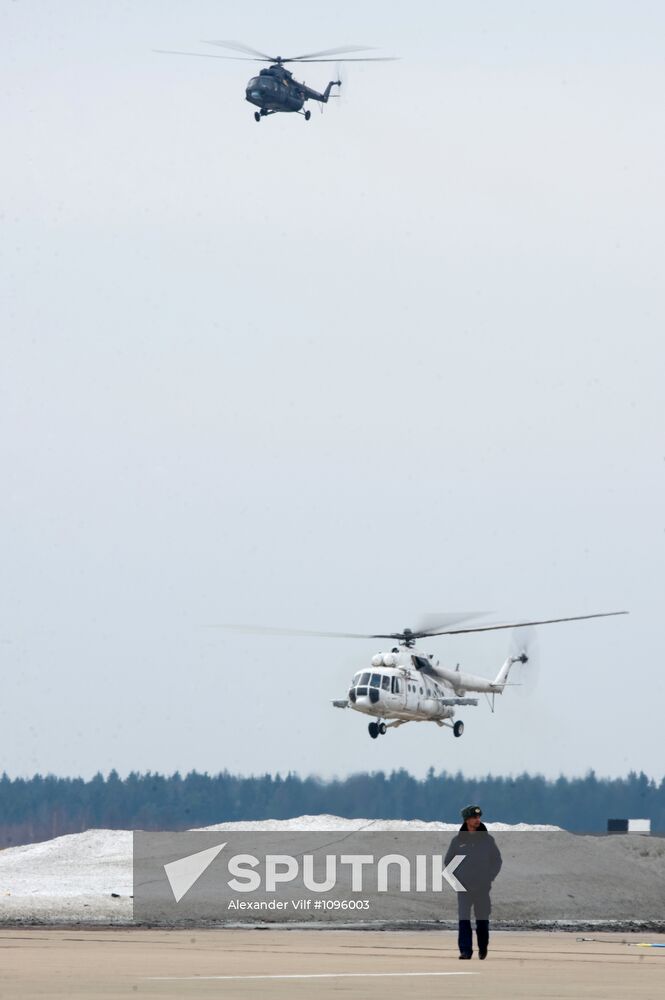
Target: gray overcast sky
x=407, y=357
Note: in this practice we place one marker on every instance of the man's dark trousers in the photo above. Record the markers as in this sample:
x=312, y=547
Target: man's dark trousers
x=479, y=901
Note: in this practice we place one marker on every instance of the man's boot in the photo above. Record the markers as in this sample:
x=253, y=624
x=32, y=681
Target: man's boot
x=483, y=936
x=465, y=939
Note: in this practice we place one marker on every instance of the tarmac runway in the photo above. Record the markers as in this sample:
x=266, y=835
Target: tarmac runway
x=283, y=963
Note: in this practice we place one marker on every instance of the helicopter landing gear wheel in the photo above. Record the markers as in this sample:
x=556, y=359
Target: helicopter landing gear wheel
x=373, y=730
x=257, y=116
x=382, y=729
x=308, y=115
x=458, y=728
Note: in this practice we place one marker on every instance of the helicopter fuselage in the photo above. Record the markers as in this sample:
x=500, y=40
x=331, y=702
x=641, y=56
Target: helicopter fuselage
x=401, y=685
x=274, y=89
x=406, y=685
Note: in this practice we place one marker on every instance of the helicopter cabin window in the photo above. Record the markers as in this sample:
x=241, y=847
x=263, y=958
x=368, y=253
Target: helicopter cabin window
x=385, y=682
x=375, y=681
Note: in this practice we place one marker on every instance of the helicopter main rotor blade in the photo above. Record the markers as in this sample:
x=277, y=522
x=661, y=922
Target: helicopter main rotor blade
x=362, y=59
x=427, y=626
x=207, y=55
x=241, y=47
x=269, y=630
x=332, y=52
x=544, y=621
x=431, y=624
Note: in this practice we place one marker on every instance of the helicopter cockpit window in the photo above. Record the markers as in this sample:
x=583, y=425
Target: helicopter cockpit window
x=364, y=679
x=375, y=681
x=385, y=683
x=356, y=680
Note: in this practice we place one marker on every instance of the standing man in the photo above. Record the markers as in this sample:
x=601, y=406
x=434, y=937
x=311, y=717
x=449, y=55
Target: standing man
x=481, y=865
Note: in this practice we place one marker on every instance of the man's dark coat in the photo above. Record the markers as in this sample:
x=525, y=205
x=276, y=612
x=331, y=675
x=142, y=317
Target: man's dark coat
x=482, y=860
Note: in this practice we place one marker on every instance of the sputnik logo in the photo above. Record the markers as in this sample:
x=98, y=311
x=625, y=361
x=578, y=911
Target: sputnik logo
x=282, y=868
x=183, y=873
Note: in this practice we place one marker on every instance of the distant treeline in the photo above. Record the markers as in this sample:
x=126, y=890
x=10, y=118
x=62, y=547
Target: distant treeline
x=39, y=808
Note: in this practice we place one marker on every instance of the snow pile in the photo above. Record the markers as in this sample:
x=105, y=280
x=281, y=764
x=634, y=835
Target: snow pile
x=326, y=824
x=80, y=878
x=96, y=862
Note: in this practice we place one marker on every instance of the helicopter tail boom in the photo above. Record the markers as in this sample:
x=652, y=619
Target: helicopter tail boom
x=470, y=682
x=314, y=95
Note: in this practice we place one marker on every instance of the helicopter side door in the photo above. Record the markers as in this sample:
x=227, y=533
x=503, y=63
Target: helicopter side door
x=397, y=698
x=292, y=97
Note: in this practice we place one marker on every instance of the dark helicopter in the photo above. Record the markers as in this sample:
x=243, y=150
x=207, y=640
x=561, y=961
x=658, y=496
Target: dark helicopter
x=274, y=89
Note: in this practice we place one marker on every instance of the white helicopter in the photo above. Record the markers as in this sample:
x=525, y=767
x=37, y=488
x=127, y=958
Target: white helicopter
x=406, y=685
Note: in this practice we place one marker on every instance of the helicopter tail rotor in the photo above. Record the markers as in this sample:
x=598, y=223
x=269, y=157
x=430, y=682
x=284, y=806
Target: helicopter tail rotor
x=340, y=73
x=333, y=90
x=524, y=652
